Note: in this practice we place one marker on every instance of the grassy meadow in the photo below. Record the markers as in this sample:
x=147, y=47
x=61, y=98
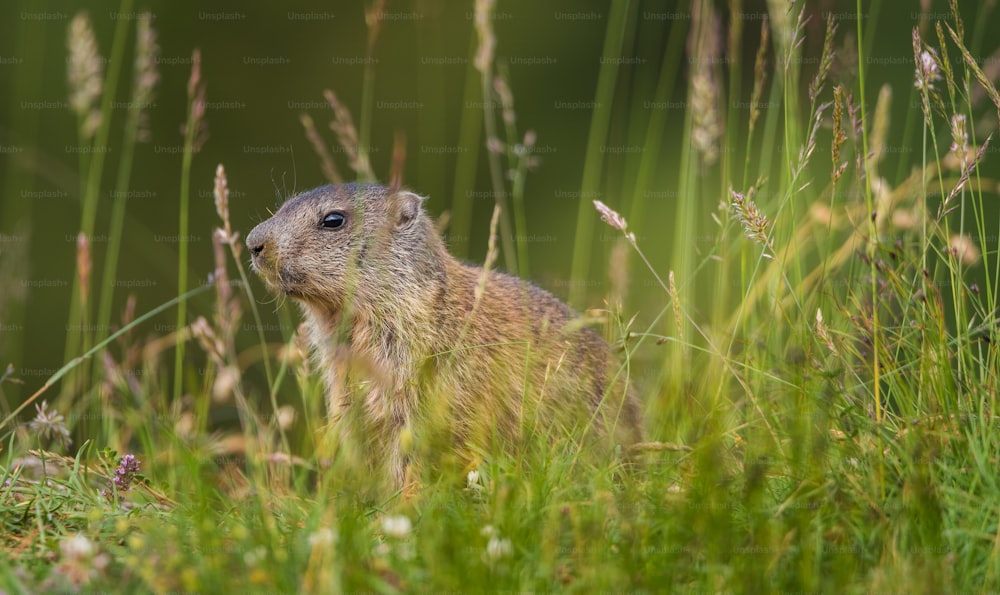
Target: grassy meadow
x=807, y=305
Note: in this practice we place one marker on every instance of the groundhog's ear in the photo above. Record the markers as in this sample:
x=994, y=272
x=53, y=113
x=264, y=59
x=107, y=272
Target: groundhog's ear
x=406, y=207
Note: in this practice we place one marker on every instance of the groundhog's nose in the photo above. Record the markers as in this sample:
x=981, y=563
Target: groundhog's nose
x=255, y=241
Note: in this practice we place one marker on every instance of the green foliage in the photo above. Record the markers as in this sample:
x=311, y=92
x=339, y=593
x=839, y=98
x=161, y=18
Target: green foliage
x=824, y=425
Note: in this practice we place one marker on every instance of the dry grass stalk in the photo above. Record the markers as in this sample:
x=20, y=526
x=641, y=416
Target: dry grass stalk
x=618, y=273
x=704, y=49
x=755, y=224
x=928, y=71
x=196, y=98
x=398, y=166
x=227, y=308
x=991, y=90
x=83, y=265
x=209, y=340
x=327, y=164
x=991, y=68
x=612, y=218
x=839, y=137
x=945, y=63
x=955, y=14
x=615, y=220
x=944, y=209
x=805, y=152
x=659, y=447
x=491, y=256
x=347, y=136
x=374, y=17
x=220, y=192
x=146, y=74
x=487, y=39
x=854, y=116
x=676, y=302
x=824, y=333
x=85, y=74
x=880, y=128
x=826, y=59
x=959, y=138
x=506, y=99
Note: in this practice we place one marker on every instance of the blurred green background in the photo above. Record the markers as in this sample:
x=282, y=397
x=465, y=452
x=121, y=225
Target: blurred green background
x=423, y=58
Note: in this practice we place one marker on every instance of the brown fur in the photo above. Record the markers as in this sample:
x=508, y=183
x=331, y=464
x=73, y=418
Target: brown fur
x=406, y=347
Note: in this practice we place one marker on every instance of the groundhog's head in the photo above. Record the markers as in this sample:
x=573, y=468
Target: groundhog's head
x=336, y=243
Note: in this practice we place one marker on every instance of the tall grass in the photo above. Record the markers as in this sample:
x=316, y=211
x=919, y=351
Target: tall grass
x=593, y=164
x=825, y=423
x=484, y=63
x=89, y=89
x=145, y=77
x=193, y=139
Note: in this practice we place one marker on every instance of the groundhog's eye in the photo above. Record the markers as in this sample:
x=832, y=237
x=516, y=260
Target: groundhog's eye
x=334, y=220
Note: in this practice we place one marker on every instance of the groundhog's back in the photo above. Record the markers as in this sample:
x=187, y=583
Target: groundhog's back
x=532, y=365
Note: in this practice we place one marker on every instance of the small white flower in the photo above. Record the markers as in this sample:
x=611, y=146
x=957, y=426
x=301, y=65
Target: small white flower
x=286, y=417
x=81, y=562
x=927, y=72
x=324, y=537
x=928, y=63
x=472, y=480
x=255, y=556
x=488, y=531
x=498, y=548
x=77, y=547
x=396, y=526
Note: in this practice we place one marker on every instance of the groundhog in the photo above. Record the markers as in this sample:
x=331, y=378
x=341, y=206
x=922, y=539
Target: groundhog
x=411, y=341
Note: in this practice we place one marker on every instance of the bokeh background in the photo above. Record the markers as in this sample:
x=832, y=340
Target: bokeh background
x=264, y=64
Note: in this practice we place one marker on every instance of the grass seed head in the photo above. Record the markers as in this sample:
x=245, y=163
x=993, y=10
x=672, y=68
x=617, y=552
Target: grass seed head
x=221, y=195
x=675, y=300
x=50, y=424
x=754, y=222
x=823, y=332
x=960, y=137
x=487, y=39
x=146, y=74
x=928, y=71
x=612, y=218
x=704, y=48
x=85, y=73
x=196, y=100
